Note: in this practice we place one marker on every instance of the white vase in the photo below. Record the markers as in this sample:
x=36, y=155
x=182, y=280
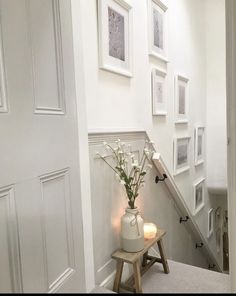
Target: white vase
x=132, y=234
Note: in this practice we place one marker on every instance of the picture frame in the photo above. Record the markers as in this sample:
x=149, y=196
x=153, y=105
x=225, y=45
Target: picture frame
x=157, y=27
x=181, y=155
x=181, y=99
x=115, y=36
x=198, y=196
x=159, y=92
x=199, y=145
x=218, y=240
x=210, y=223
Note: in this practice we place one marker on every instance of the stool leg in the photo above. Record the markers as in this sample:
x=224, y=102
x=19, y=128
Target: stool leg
x=137, y=277
x=144, y=263
x=119, y=269
x=163, y=256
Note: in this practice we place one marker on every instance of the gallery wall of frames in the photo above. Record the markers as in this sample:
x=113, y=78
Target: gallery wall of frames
x=116, y=55
x=145, y=68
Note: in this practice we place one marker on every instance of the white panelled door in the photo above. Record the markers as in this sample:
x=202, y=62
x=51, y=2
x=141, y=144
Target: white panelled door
x=41, y=241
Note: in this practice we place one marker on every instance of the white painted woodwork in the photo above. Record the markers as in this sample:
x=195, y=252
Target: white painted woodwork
x=40, y=201
x=3, y=94
x=10, y=272
x=155, y=202
x=231, y=127
x=47, y=60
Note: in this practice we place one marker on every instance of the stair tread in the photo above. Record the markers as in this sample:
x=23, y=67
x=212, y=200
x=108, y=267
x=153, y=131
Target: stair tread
x=184, y=278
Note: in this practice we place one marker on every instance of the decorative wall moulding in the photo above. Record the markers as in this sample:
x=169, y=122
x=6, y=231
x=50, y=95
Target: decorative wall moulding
x=159, y=92
x=198, y=196
x=181, y=155
x=3, y=89
x=157, y=26
x=48, y=84
x=55, y=190
x=181, y=99
x=8, y=211
x=99, y=137
x=199, y=145
x=115, y=36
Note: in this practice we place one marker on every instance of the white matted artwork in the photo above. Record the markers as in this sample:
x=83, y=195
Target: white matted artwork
x=199, y=145
x=157, y=19
x=198, y=196
x=210, y=227
x=115, y=36
x=218, y=239
x=181, y=99
x=159, y=89
x=181, y=155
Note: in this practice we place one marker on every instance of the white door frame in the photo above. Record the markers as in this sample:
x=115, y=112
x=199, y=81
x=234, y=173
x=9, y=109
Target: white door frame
x=231, y=131
x=83, y=144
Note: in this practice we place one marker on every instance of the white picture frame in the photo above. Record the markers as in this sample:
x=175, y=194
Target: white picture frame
x=181, y=99
x=210, y=224
x=199, y=145
x=159, y=92
x=181, y=155
x=218, y=240
x=157, y=27
x=115, y=36
x=198, y=196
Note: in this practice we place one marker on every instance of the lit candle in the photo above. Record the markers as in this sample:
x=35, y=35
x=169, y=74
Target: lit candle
x=150, y=230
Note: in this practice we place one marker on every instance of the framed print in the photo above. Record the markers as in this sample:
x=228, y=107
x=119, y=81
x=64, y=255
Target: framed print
x=198, y=196
x=157, y=19
x=218, y=240
x=181, y=99
x=210, y=227
x=199, y=145
x=115, y=36
x=159, y=92
x=181, y=155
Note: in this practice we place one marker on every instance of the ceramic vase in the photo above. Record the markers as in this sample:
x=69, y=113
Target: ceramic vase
x=132, y=234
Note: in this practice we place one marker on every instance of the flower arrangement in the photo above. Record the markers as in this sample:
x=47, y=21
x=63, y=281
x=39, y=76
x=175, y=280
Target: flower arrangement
x=129, y=170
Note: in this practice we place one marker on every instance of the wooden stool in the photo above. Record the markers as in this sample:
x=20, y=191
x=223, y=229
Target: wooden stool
x=133, y=284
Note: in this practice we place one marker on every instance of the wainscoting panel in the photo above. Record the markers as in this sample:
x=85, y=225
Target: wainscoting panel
x=57, y=229
x=46, y=47
x=10, y=270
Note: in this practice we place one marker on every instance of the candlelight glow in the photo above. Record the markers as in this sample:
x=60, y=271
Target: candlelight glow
x=150, y=230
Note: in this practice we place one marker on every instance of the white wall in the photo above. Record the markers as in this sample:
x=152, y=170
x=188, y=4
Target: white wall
x=116, y=102
x=216, y=97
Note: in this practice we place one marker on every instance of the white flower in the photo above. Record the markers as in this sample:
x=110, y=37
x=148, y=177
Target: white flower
x=120, y=152
x=122, y=182
x=151, y=142
x=135, y=163
x=117, y=177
